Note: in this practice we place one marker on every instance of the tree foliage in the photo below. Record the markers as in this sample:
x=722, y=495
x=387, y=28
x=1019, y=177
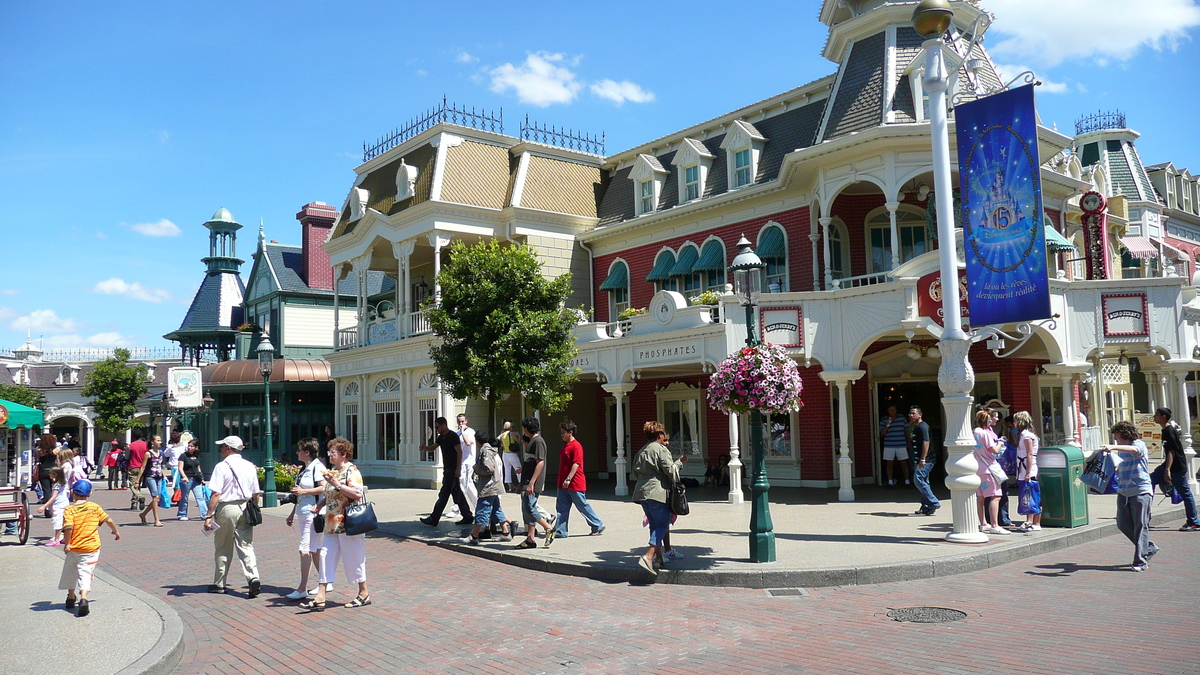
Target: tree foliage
x=503, y=327
x=115, y=385
x=19, y=393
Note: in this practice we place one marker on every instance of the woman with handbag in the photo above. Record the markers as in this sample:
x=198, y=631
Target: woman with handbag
x=991, y=476
x=655, y=472
x=343, y=488
x=152, y=476
x=309, y=484
x=1029, y=489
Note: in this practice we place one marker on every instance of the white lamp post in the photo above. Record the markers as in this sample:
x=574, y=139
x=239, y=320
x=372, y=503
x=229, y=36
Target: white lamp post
x=931, y=19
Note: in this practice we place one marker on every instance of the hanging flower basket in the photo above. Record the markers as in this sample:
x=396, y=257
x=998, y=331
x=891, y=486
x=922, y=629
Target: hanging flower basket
x=759, y=378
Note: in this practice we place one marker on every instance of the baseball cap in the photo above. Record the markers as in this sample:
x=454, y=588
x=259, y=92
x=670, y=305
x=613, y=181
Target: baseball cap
x=82, y=487
x=116, y=442
x=232, y=441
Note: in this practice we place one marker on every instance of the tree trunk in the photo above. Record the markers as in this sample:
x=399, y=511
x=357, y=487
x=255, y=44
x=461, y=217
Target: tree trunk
x=491, y=422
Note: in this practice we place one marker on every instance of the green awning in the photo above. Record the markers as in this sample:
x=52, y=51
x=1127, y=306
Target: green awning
x=18, y=415
x=772, y=245
x=712, y=258
x=662, y=267
x=618, y=278
x=687, y=259
x=1056, y=242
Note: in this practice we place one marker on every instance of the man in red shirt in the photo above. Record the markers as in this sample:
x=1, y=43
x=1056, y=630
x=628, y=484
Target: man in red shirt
x=137, y=457
x=572, y=485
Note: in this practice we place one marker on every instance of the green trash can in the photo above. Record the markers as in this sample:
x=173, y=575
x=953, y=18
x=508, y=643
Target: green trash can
x=1064, y=496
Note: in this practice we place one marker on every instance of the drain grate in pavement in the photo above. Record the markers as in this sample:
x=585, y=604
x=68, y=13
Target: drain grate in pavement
x=786, y=592
x=926, y=615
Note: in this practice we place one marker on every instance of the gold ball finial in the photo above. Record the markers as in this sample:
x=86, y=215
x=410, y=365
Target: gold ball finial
x=932, y=18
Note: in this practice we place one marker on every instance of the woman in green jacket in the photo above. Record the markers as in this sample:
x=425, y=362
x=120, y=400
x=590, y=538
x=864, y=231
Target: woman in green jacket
x=655, y=472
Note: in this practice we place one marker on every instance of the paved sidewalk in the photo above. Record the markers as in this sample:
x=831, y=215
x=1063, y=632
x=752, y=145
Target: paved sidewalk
x=819, y=541
x=128, y=630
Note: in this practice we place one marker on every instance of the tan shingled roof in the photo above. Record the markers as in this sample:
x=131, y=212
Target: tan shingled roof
x=476, y=174
x=561, y=187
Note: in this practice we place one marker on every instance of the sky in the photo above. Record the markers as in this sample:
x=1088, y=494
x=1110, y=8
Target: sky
x=125, y=126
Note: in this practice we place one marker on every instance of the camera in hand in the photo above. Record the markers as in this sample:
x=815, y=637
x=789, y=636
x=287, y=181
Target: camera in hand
x=287, y=498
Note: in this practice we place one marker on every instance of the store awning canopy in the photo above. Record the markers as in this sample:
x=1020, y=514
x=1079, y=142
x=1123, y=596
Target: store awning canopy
x=662, y=267
x=772, y=245
x=687, y=260
x=1139, y=247
x=1056, y=242
x=712, y=258
x=618, y=278
x=1172, y=252
x=16, y=415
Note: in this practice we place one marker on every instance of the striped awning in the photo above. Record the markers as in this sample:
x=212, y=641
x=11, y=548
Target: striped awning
x=771, y=245
x=712, y=258
x=618, y=278
x=1139, y=247
x=662, y=267
x=687, y=259
x=1057, y=243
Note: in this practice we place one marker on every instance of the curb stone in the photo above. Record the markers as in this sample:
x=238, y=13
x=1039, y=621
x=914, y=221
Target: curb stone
x=773, y=577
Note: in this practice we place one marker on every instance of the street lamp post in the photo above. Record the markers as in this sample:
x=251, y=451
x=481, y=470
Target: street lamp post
x=747, y=270
x=931, y=19
x=266, y=364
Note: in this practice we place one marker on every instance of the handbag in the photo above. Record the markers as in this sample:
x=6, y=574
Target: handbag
x=253, y=512
x=319, y=523
x=997, y=473
x=1031, y=498
x=677, y=499
x=1008, y=459
x=1100, y=473
x=359, y=517
x=176, y=497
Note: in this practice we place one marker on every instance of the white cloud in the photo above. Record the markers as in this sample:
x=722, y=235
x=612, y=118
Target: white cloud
x=1050, y=33
x=9, y=291
x=135, y=290
x=161, y=228
x=421, y=73
x=163, y=137
x=619, y=92
x=1049, y=86
x=44, y=321
x=105, y=340
x=541, y=80
x=101, y=235
x=464, y=57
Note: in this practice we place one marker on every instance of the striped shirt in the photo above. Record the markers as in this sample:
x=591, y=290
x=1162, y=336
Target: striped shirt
x=892, y=429
x=1133, y=473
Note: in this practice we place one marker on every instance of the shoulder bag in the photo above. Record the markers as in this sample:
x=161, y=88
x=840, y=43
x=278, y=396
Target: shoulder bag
x=253, y=512
x=359, y=517
x=677, y=497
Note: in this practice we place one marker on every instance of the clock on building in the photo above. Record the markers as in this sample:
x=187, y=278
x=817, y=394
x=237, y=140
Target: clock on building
x=1092, y=202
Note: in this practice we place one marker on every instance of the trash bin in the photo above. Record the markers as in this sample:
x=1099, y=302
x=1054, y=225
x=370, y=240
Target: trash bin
x=1064, y=496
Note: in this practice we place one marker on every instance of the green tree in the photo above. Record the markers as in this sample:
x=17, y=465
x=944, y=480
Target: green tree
x=115, y=385
x=19, y=393
x=504, y=328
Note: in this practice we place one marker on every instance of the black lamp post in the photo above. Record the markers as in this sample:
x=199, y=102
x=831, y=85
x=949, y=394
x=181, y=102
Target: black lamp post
x=266, y=365
x=747, y=270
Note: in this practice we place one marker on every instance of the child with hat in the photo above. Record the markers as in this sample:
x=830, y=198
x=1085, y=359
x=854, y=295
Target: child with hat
x=81, y=525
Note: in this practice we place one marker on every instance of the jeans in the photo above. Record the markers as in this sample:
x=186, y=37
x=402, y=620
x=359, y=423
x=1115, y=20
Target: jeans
x=921, y=480
x=1003, y=517
x=579, y=499
x=488, y=511
x=1180, y=480
x=658, y=516
x=1133, y=519
x=195, y=488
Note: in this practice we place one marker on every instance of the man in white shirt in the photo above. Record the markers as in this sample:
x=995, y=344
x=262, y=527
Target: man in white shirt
x=234, y=483
x=466, y=450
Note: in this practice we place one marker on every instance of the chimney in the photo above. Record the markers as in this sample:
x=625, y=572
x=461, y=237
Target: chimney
x=316, y=220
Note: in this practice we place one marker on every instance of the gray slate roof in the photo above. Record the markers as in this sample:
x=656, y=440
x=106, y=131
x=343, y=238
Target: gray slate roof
x=858, y=102
x=217, y=305
x=288, y=264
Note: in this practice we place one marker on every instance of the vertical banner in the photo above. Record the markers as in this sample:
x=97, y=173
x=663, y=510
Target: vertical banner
x=1000, y=178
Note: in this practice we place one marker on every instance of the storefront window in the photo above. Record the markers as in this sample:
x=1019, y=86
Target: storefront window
x=350, y=418
x=679, y=410
x=387, y=430
x=779, y=428
x=426, y=414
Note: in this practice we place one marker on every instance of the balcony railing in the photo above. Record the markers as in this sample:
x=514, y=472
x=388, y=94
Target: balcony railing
x=418, y=323
x=618, y=328
x=861, y=280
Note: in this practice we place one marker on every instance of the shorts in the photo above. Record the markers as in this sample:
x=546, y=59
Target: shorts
x=892, y=452
x=78, y=571
x=311, y=541
x=488, y=509
x=529, y=508
x=56, y=518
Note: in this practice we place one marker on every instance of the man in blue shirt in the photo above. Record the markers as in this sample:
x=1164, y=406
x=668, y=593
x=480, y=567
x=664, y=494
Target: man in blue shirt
x=894, y=440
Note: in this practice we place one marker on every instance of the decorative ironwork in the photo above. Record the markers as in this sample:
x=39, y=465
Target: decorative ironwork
x=997, y=339
x=1100, y=121
x=87, y=355
x=444, y=112
x=562, y=138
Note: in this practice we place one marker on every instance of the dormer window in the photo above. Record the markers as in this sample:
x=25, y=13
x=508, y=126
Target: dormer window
x=743, y=146
x=693, y=161
x=648, y=176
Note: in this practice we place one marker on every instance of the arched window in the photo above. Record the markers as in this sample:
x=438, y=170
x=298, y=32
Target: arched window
x=617, y=287
x=1077, y=263
x=686, y=279
x=711, y=266
x=839, y=250
x=351, y=389
x=772, y=250
x=660, y=276
x=910, y=225
x=387, y=385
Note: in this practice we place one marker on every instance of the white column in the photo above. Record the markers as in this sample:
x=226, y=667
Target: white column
x=619, y=390
x=437, y=241
x=825, y=235
x=1162, y=388
x=843, y=380
x=337, y=306
x=361, y=265
x=891, y=209
x=363, y=413
x=1069, y=412
x=735, y=452
x=403, y=251
x=814, y=238
x=128, y=437
x=1152, y=391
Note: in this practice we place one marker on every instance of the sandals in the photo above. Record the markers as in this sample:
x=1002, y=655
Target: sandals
x=313, y=606
x=359, y=601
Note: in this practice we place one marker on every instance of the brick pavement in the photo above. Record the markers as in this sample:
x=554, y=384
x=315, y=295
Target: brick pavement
x=436, y=611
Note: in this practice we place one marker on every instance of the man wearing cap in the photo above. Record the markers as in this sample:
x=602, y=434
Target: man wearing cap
x=234, y=483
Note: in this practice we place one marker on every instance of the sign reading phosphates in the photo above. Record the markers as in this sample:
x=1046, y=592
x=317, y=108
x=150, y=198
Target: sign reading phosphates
x=1002, y=218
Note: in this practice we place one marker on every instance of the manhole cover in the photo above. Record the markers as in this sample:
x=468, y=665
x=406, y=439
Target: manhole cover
x=926, y=615
x=786, y=592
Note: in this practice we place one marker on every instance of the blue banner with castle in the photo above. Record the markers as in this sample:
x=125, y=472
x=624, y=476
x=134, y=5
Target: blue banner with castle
x=1003, y=228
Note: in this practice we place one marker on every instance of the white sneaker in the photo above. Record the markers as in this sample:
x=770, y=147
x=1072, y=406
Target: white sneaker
x=183, y=517
x=312, y=592
x=1035, y=528
x=673, y=554
x=297, y=595
x=329, y=588
x=998, y=530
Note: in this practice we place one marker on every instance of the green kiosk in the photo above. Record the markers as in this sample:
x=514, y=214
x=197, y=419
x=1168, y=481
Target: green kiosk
x=17, y=426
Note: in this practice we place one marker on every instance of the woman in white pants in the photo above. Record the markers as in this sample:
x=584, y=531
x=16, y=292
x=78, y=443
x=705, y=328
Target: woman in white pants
x=343, y=487
x=309, y=486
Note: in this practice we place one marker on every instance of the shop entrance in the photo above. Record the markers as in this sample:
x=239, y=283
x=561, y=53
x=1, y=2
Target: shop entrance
x=924, y=394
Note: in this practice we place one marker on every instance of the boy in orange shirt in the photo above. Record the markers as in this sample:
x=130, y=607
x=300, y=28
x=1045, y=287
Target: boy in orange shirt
x=81, y=532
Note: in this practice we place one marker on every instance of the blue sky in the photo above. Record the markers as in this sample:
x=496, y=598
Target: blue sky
x=124, y=126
